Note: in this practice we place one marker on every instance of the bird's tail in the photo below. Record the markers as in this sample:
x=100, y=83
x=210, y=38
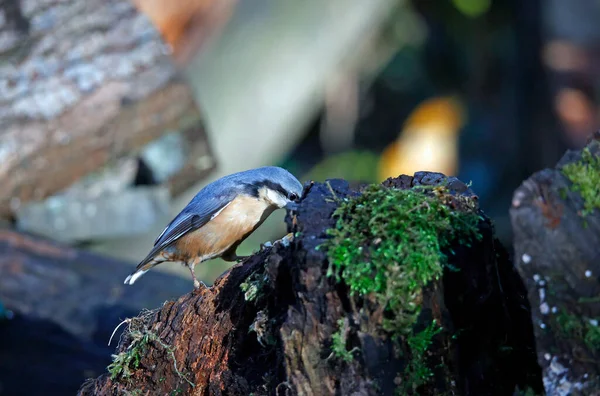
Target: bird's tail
x=142, y=268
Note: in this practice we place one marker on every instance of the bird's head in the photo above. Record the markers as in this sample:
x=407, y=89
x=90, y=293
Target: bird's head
x=275, y=186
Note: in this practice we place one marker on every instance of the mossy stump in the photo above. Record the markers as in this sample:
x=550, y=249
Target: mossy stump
x=556, y=223
x=445, y=312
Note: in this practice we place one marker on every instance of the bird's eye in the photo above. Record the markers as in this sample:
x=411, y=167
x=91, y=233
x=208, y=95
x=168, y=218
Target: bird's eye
x=293, y=196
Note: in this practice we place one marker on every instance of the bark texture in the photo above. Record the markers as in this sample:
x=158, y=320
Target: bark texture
x=266, y=326
x=80, y=91
x=557, y=251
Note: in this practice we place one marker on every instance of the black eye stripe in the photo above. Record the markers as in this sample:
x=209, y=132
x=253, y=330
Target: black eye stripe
x=252, y=189
x=273, y=186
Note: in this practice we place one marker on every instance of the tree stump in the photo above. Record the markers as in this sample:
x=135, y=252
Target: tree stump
x=283, y=323
x=556, y=222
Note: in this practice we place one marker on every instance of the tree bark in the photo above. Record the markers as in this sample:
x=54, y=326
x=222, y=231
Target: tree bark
x=275, y=335
x=50, y=281
x=557, y=250
x=83, y=84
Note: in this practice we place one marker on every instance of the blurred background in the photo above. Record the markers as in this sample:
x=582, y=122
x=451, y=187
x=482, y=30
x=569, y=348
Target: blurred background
x=114, y=114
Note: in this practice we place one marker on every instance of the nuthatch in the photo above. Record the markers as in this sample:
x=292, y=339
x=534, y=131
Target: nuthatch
x=220, y=217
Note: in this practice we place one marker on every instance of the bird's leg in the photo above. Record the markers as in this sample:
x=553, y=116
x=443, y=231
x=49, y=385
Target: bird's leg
x=197, y=283
x=238, y=260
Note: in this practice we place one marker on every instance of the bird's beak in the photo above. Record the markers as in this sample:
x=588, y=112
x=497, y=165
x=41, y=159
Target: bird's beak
x=291, y=205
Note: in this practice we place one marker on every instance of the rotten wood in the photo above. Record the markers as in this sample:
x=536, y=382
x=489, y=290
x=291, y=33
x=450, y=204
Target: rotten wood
x=557, y=252
x=79, y=92
x=221, y=341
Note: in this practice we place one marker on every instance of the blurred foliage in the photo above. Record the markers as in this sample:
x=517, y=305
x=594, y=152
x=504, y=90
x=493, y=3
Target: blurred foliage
x=359, y=166
x=472, y=8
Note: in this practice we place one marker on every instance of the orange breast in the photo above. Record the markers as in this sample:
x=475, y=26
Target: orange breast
x=242, y=216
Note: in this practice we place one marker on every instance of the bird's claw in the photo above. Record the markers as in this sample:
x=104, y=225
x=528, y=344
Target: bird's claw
x=199, y=285
x=266, y=245
x=285, y=241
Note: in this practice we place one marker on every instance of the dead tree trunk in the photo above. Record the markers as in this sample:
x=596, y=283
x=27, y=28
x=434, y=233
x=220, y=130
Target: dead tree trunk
x=278, y=324
x=556, y=222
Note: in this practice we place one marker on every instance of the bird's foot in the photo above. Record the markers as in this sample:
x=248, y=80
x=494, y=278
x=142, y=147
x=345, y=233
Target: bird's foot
x=264, y=246
x=238, y=261
x=199, y=284
x=285, y=241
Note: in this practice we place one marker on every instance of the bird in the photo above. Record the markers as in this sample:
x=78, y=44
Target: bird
x=428, y=141
x=220, y=217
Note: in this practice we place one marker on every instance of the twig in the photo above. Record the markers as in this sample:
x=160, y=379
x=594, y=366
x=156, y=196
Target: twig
x=332, y=192
x=116, y=328
x=306, y=189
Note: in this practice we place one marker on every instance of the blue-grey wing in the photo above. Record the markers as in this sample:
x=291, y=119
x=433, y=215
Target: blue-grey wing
x=195, y=215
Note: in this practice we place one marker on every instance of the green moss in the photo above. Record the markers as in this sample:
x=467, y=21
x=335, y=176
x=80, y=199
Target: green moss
x=339, y=338
x=576, y=327
x=388, y=243
x=527, y=392
x=125, y=363
x=585, y=176
x=417, y=371
x=253, y=285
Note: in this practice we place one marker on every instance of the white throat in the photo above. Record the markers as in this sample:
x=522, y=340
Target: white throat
x=272, y=197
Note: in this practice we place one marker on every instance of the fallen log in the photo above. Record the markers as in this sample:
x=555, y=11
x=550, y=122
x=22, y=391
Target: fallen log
x=556, y=222
x=399, y=287
x=79, y=92
x=80, y=291
x=64, y=304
